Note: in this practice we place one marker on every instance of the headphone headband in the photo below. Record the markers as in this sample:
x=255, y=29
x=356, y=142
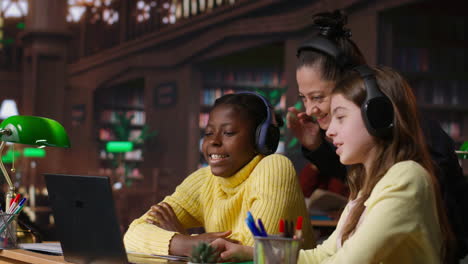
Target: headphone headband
x=325, y=46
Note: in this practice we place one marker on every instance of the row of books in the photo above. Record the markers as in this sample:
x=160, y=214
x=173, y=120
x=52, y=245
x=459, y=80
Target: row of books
x=107, y=134
x=429, y=27
x=127, y=98
x=110, y=116
x=136, y=155
x=261, y=77
x=443, y=92
x=208, y=96
x=203, y=119
x=449, y=60
x=134, y=174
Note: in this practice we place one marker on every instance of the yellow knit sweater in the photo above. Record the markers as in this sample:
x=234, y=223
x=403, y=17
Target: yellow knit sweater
x=399, y=225
x=267, y=187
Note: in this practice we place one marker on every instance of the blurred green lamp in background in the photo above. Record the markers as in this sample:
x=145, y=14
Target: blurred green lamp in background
x=463, y=152
x=119, y=146
x=30, y=130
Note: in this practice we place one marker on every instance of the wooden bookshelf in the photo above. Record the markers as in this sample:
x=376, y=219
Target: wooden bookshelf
x=124, y=99
x=428, y=43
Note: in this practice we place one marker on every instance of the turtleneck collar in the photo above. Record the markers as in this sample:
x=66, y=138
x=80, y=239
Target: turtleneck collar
x=232, y=182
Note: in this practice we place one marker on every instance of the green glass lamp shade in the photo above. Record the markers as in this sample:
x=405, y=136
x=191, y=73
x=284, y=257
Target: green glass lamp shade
x=119, y=146
x=33, y=130
x=34, y=152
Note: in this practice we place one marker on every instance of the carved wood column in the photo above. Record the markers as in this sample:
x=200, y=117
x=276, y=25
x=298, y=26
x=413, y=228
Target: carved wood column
x=44, y=72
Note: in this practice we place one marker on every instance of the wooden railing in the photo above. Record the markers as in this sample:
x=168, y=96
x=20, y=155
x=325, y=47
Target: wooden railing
x=136, y=18
x=114, y=24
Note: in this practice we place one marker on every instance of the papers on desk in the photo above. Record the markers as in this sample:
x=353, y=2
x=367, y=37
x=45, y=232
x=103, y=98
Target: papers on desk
x=56, y=249
x=51, y=248
x=167, y=257
x=322, y=202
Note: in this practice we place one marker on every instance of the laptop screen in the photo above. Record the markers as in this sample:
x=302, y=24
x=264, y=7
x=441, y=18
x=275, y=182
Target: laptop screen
x=85, y=218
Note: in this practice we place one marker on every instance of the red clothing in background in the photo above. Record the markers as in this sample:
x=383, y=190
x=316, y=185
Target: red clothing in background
x=311, y=179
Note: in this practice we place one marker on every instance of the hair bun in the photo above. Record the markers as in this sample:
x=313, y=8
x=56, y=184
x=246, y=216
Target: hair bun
x=331, y=24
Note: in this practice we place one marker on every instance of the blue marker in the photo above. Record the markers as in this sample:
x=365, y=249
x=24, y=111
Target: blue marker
x=250, y=217
x=252, y=228
x=262, y=228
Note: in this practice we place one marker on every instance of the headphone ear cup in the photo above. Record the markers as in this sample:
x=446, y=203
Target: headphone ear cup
x=377, y=110
x=267, y=139
x=261, y=138
x=378, y=116
x=272, y=139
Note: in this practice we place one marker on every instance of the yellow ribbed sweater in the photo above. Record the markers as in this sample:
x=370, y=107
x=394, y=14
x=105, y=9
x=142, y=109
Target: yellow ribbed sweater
x=266, y=186
x=399, y=225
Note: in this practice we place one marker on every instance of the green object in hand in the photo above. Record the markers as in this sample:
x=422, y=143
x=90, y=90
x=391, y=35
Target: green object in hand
x=204, y=253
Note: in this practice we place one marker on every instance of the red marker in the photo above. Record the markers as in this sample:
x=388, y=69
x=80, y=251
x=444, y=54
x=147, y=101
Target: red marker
x=13, y=204
x=15, y=199
x=281, y=227
x=298, y=233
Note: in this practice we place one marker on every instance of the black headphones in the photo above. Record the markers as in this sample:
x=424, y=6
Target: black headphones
x=377, y=110
x=325, y=43
x=322, y=44
x=267, y=133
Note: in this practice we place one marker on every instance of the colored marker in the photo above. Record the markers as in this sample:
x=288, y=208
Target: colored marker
x=13, y=204
x=281, y=227
x=252, y=227
x=262, y=227
x=298, y=232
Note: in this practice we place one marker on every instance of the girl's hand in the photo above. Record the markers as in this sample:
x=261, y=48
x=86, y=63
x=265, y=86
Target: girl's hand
x=231, y=251
x=164, y=217
x=304, y=128
x=182, y=245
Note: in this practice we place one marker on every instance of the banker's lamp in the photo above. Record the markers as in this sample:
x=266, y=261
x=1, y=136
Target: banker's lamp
x=30, y=130
x=119, y=146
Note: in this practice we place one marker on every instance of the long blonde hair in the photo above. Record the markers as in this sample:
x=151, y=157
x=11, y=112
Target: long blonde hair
x=407, y=143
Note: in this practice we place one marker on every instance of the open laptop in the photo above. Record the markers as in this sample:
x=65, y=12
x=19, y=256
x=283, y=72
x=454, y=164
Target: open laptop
x=85, y=219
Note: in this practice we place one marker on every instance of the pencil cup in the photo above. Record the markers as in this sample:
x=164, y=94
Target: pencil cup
x=7, y=231
x=276, y=250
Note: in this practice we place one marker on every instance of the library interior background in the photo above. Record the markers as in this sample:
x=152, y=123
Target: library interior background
x=147, y=71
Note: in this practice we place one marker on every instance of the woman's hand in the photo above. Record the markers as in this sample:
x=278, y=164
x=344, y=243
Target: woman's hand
x=231, y=251
x=304, y=128
x=182, y=245
x=164, y=217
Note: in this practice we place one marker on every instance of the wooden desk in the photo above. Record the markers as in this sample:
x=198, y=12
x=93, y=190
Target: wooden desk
x=324, y=223
x=20, y=256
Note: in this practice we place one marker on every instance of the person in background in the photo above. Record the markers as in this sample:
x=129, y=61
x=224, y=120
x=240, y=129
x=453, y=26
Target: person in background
x=242, y=176
x=316, y=75
x=322, y=61
x=395, y=213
